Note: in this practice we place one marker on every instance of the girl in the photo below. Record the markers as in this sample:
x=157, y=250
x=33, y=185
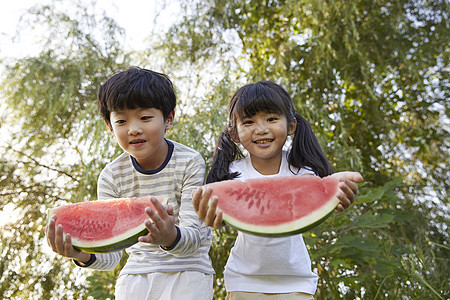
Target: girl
x=261, y=116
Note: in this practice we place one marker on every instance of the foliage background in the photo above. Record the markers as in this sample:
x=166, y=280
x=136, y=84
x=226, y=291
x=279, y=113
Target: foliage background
x=370, y=76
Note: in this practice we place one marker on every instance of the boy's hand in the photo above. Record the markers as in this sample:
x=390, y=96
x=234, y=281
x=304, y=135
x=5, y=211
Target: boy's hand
x=162, y=231
x=63, y=246
x=206, y=209
x=348, y=188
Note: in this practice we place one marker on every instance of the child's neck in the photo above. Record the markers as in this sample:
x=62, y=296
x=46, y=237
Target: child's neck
x=269, y=166
x=155, y=161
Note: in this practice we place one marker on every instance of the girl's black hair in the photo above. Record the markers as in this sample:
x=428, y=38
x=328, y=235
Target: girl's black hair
x=136, y=87
x=306, y=151
x=267, y=96
x=226, y=152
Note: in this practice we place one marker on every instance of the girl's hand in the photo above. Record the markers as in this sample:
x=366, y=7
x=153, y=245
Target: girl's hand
x=206, y=209
x=162, y=231
x=348, y=188
x=62, y=244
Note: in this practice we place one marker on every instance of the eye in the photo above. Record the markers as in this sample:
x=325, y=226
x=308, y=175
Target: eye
x=120, y=122
x=146, y=118
x=247, y=122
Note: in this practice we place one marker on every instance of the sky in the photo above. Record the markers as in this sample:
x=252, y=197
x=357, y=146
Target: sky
x=132, y=15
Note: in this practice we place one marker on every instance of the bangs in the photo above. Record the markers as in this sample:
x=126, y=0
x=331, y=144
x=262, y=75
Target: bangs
x=137, y=88
x=134, y=95
x=260, y=97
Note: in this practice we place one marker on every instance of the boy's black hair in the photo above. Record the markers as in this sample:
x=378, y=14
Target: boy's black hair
x=267, y=96
x=136, y=87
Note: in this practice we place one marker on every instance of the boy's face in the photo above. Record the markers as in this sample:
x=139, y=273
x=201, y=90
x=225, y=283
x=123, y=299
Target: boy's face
x=140, y=132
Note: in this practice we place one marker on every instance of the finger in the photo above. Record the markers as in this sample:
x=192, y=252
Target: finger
x=348, y=188
x=218, y=221
x=59, y=239
x=154, y=217
x=196, y=197
x=211, y=212
x=160, y=209
x=149, y=238
x=345, y=196
x=52, y=218
x=340, y=208
x=353, y=176
x=353, y=187
x=152, y=228
x=169, y=210
x=204, y=203
x=146, y=238
x=68, y=245
x=50, y=232
x=344, y=203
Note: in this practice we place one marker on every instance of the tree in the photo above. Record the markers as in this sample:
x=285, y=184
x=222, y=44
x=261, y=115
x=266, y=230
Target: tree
x=372, y=77
x=57, y=147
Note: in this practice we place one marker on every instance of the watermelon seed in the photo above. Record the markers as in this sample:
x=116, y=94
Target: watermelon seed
x=250, y=204
x=258, y=203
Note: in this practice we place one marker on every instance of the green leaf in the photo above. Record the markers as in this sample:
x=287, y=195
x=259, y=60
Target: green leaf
x=370, y=195
x=374, y=221
x=339, y=263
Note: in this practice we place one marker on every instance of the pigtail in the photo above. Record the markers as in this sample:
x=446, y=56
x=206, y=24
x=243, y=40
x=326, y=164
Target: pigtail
x=226, y=152
x=306, y=150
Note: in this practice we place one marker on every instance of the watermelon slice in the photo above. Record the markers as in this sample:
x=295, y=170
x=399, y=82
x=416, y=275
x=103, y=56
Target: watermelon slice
x=104, y=226
x=277, y=206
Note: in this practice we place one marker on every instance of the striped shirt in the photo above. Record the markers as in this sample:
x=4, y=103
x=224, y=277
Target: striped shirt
x=182, y=172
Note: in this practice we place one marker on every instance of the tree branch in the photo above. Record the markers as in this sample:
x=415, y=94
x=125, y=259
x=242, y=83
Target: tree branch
x=36, y=162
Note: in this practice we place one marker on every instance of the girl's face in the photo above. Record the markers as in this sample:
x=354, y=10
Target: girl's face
x=263, y=136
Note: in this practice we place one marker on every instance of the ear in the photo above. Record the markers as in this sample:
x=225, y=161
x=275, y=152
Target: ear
x=169, y=120
x=292, y=127
x=234, y=136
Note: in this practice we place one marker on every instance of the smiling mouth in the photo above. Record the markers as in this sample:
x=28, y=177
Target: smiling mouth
x=137, y=141
x=263, y=141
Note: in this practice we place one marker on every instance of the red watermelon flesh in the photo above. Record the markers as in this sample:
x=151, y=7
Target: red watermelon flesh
x=104, y=225
x=277, y=206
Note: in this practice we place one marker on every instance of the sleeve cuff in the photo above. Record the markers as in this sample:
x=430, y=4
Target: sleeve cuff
x=89, y=263
x=176, y=241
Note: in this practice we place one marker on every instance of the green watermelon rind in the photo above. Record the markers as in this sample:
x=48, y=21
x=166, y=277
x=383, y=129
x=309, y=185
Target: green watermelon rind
x=288, y=228
x=110, y=246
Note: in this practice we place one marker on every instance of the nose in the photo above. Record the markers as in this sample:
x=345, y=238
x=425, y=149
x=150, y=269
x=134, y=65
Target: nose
x=134, y=128
x=261, y=128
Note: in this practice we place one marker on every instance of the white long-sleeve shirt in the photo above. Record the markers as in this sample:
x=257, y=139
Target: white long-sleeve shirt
x=182, y=172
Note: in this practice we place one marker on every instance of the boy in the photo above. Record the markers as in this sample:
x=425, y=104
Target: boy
x=172, y=261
